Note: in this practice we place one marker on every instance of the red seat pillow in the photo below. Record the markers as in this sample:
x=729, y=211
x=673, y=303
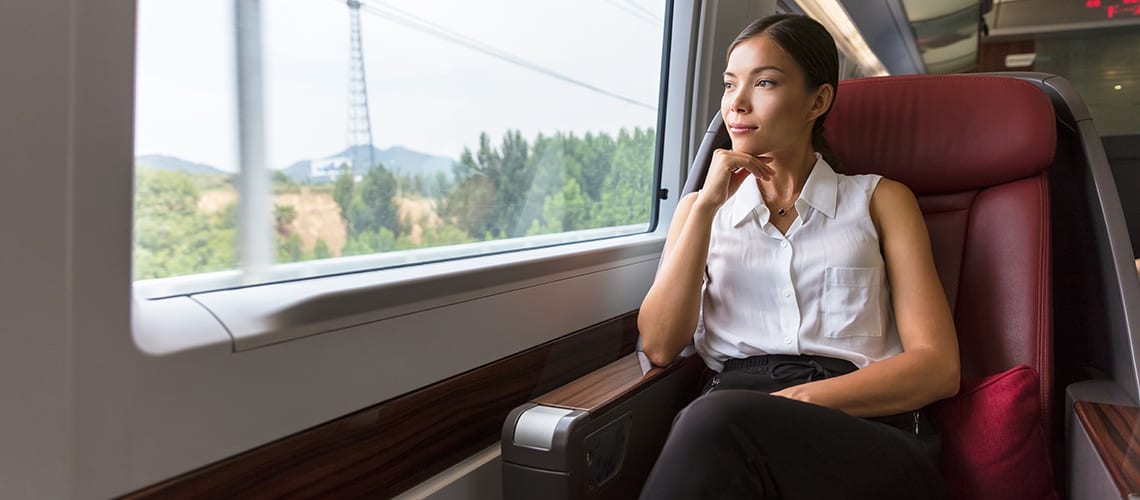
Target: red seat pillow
x=993, y=443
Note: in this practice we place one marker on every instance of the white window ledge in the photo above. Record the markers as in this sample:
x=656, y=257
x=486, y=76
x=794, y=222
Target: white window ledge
x=296, y=307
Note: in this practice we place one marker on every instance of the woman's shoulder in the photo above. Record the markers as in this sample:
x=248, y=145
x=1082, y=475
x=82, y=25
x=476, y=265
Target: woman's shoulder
x=874, y=183
x=858, y=180
x=893, y=201
x=891, y=192
x=856, y=190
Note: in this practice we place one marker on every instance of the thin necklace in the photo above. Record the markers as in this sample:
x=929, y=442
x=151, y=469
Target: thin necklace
x=784, y=211
x=781, y=211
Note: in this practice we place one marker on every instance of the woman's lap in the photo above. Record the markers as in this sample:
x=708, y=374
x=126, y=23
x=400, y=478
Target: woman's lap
x=748, y=444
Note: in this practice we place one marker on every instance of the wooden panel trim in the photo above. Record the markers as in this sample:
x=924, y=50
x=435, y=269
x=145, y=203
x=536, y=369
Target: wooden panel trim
x=1115, y=433
x=385, y=449
x=612, y=383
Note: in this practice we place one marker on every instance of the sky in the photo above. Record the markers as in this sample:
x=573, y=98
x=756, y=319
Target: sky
x=425, y=93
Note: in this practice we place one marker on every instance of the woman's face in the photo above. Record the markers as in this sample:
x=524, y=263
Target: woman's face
x=766, y=104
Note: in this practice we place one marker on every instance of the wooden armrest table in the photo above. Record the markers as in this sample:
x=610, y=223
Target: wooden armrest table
x=1114, y=431
x=598, y=436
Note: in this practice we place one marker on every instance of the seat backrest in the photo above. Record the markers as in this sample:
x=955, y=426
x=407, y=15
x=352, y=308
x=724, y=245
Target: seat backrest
x=975, y=150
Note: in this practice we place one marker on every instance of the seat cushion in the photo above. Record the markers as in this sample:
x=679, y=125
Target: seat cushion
x=993, y=441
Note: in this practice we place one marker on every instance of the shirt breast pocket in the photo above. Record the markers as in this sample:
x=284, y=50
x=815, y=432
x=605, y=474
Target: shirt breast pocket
x=850, y=303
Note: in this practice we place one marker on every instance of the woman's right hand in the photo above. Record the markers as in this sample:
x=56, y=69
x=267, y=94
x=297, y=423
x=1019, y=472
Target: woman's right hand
x=727, y=172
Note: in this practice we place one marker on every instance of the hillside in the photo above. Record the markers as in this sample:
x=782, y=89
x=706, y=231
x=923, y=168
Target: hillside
x=397, y=159
x=163, y=162
x=318, y=215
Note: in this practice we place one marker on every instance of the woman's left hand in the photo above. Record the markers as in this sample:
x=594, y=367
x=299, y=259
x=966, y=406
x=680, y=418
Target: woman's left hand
x=799, y=392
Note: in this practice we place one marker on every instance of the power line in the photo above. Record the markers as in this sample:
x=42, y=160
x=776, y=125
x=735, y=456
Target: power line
x=426, y=26
x=422, y=25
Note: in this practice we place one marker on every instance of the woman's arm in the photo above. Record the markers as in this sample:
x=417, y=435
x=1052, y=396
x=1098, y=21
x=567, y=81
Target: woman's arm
x=669, y=312
x=928, y=368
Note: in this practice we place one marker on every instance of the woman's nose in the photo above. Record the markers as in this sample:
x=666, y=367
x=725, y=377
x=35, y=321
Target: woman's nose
x=740, y=102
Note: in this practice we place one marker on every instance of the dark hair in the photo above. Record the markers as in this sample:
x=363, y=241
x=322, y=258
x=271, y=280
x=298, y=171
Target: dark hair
x=812, y=47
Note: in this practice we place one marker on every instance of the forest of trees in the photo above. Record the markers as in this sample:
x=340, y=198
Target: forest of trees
x=552, y=184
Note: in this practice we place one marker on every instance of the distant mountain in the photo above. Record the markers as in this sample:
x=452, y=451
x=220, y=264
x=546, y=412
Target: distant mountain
x=323, y=169
x=397, y=159
x=163, y=162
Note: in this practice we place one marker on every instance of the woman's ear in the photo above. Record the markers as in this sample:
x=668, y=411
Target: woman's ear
x=822, y=101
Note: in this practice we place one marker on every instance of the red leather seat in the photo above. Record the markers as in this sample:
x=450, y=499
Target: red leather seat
x=976, y=152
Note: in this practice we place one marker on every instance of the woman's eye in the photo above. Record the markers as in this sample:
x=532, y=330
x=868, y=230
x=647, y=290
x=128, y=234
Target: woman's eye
x=728, y=85
x=765, y=83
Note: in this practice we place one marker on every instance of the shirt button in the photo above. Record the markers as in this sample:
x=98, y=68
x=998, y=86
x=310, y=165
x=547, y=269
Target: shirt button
x=787, y=293
x=787, y=340
x=783, y=244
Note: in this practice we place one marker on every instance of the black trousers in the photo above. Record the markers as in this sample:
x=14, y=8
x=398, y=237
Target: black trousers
x=736, y=441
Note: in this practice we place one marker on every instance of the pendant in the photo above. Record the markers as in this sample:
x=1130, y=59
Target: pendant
x=781, y=212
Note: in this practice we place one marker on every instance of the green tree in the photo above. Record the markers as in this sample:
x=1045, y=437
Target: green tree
x=343, y=191
x=508, y=176
x=172, y=237
x=445, y=235
x=441, y=185
x=359, y=216
x=321, y=250
x=413, y=184
x=378, y=193
x=283, y=217
x=595, y=154
x=568, y=210
x=282, y=183
x=627, y=194
x=470, y=206
x=552, y=166
x=289, y=249
x=367, y=242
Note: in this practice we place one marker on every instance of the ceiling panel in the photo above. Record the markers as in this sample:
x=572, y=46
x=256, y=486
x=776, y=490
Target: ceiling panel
x=922, y=10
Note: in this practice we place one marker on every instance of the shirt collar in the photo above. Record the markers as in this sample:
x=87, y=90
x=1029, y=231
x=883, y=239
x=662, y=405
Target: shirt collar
x=819, y=191
x=821, y=188
x=745, y=201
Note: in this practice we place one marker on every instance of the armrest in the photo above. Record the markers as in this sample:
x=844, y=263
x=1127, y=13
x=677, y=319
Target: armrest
x=1104, y=442
x=598, y=436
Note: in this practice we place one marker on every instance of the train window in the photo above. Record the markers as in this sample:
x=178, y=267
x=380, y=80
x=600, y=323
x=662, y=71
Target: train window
x=296, y=138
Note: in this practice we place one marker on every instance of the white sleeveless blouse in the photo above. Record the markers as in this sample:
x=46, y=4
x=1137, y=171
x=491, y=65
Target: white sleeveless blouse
x=820, y=289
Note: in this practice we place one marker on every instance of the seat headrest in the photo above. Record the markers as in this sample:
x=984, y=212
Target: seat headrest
x=942, y=134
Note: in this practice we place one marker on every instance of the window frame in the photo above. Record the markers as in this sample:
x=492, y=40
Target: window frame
x=306, y=305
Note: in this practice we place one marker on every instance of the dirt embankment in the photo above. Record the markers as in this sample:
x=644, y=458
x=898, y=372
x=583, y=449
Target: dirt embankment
x=318, y=215
x=420, y=214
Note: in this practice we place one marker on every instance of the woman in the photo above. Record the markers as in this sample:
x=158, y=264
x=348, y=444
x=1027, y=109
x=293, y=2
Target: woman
x=784, y=275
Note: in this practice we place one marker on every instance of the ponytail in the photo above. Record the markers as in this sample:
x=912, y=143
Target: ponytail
x=820, y=145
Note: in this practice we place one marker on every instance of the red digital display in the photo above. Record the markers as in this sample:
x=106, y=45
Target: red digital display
x=1115, y=8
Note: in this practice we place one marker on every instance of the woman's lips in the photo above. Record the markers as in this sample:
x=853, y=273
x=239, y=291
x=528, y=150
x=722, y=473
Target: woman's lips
x=737, y=129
